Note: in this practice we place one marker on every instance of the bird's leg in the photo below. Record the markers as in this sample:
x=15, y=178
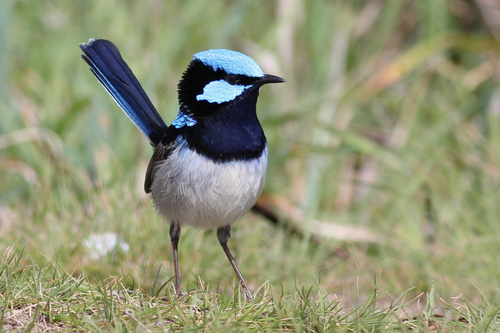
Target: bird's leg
x=175, y=234
x=223, y=234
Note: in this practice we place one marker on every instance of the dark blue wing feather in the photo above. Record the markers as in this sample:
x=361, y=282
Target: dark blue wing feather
x=114, y=74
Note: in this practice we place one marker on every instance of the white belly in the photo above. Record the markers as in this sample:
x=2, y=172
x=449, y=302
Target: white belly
x=191, y=189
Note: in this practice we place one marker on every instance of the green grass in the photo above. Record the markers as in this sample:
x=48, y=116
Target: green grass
x=51, y=299
x=388, y=124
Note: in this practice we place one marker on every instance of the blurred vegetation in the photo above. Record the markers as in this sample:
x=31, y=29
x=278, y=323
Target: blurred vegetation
x=389, y=123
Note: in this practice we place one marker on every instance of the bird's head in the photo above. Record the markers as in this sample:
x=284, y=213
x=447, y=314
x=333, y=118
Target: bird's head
x=216, y=78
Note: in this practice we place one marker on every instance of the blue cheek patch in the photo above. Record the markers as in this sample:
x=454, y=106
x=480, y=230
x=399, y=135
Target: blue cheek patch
x=220, y=92
x=183, y=120
x=232, y=62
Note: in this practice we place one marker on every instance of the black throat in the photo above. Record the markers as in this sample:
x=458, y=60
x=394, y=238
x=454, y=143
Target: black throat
x=233, y=132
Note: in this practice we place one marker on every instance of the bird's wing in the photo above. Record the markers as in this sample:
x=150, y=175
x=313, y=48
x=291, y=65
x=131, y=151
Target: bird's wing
x=161, y=153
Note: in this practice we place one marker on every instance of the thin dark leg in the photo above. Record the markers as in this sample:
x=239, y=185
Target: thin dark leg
x=175, y=234
x=223, y=234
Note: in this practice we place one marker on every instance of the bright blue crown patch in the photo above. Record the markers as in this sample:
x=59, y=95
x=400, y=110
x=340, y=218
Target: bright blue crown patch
x=232, y=62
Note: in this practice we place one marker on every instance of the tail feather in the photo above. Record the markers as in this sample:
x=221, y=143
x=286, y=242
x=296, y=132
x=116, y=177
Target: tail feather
x=114, y=74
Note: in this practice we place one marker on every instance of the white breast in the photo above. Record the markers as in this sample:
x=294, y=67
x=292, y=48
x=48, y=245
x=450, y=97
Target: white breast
x=191, y=189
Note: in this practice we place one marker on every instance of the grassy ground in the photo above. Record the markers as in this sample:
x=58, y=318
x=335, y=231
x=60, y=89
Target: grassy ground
x=383, y=174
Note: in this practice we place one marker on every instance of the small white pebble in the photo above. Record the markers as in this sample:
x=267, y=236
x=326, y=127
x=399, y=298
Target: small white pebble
x=100, y=245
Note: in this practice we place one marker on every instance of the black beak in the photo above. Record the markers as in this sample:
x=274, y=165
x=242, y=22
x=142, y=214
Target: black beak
x=268, y=78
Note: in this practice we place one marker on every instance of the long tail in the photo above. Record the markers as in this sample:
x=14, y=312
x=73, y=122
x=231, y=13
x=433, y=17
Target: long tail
x=114, y=74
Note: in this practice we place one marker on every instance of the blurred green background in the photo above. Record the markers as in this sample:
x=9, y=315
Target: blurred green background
x=384, y=142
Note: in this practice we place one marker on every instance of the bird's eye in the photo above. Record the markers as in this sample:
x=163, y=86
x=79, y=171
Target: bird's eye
x=233, y=79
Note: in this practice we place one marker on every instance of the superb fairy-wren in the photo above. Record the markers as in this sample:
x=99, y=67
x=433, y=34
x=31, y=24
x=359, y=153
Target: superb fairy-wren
x=208, y=167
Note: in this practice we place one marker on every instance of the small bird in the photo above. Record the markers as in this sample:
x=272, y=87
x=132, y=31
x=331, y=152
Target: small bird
x=208, y=167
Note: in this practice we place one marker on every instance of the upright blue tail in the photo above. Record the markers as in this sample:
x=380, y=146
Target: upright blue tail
x=114, y=74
